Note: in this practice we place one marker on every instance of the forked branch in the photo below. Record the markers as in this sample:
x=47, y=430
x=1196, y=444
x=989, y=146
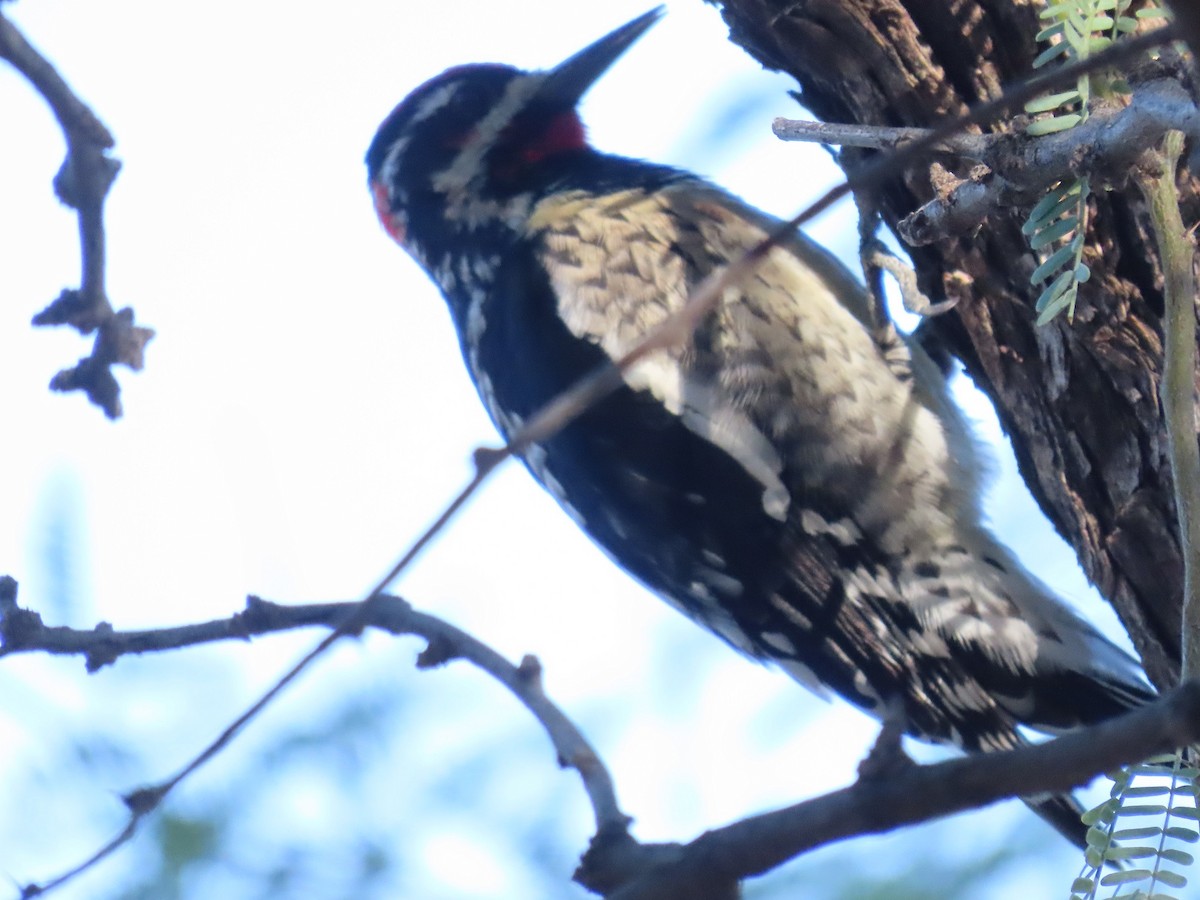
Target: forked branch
x=616, y=865
x=82, y=183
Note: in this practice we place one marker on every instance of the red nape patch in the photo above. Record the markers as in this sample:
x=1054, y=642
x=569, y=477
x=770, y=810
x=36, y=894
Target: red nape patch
x=391, y=223
x=566, y=132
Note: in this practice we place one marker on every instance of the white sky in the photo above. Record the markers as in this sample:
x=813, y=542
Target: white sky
x=304, y=413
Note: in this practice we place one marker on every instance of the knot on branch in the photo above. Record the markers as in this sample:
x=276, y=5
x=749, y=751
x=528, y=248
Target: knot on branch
x=83, y=311
x=104, y=652
x=118, y=342
x=439, y=651
x=615, y=859
x=255, y=618
x=144, y=800
x=86, y=174
x=19, y=628
x=82, y=183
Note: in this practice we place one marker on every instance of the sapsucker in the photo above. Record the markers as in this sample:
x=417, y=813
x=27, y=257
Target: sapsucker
x=787, y=479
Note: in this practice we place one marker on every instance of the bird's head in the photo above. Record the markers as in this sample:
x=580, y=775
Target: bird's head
x=460, y=152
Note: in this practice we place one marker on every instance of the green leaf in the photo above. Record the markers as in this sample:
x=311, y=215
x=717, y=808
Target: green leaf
x=1076, y=31
x=1157, y=766
x=1130, y=834
x=1054, y=125
x=1054, y=203
x=1052, y=292
x=1125, y=876
x=1177, y=856
x=1171, y=879
x=1051, y=101
x=1053, y=232
x=1149, y=790
x=1053, y=263
x=1048, y=32
x=1064, y=303
x=1102, y=813
x=1142, y=809
x=1056, y=10
x=1182, y=833
x=1050, y=53
x=1083, y=271
x=1142, y=852
x=1052, y=304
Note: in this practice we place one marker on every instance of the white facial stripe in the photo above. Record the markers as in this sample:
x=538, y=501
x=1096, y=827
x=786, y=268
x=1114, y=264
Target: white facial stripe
x=434, y=102
x=468, y=165
x=391, y=163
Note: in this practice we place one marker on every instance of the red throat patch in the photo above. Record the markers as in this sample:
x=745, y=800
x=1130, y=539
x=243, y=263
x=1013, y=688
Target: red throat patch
x=566, y=132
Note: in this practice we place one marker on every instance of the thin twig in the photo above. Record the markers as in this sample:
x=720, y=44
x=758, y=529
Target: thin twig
x=879, y=137
x=22, y=631
x=82, y=183
x=885, y=166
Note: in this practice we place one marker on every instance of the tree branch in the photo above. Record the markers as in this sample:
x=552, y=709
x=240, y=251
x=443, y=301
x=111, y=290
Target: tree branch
x=82, y=183
x=22, y=631
x=1176, y=250
x=879, y=137
x=884, y=798
x=1017, y=168
x=920, y=793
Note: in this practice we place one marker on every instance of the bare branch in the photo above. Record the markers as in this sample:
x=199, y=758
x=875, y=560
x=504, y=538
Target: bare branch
x=878, y=137
x=915, y=794
x=890, y=793
x=1017, y=168
x=22, y=631
x=1107, y=146
x=82, y=183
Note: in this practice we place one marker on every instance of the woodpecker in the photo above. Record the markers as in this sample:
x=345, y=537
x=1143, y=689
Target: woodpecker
x=789, y=479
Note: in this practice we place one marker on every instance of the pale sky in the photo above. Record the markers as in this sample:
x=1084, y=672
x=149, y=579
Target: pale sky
x=304, y=413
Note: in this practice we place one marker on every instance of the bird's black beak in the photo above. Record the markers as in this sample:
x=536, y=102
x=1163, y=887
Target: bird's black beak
x=567, y=82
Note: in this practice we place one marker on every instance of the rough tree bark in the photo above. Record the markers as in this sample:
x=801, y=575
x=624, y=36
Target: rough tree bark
x=1079, y=401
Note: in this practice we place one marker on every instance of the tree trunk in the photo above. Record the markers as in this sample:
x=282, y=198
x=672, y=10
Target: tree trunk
x=1078, y=400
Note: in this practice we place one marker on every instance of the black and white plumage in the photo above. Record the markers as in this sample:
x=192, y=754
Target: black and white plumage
x=789, y=480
